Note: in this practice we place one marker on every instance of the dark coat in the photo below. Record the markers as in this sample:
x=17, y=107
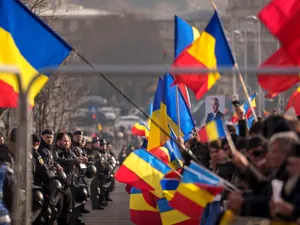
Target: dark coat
x=210, y=117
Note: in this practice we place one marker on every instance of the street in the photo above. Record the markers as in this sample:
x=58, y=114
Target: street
x=116, y=213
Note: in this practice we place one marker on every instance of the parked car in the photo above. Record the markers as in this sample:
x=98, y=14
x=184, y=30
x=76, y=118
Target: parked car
x=127, y=121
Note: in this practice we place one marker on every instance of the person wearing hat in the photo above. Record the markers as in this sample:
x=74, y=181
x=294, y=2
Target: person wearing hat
x=45, y=148
x=77, y=138
x=40, y=171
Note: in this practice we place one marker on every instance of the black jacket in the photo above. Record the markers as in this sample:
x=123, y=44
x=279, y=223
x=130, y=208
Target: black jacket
x=256, y=204
x=6, y=156
x=45, y=151
x=41, y=172
x=68, y=160
x=8, y=189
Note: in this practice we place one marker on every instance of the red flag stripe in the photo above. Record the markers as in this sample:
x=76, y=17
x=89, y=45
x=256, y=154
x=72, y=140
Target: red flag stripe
x=294, y=102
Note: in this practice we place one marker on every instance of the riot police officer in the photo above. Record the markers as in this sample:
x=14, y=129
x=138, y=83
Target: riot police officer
x=65, y=157
x=41, y=172
x=97, y=196
x=41, y=182
x=106, y=178
x=45, y=148
x=77, y=139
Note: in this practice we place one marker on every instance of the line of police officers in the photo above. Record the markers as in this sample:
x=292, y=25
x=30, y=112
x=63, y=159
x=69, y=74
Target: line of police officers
x=65, y=173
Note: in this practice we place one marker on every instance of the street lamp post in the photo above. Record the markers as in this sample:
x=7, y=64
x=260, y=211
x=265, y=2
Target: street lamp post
x=234, y=34
x=245, y=32
x=245, y=28
x=259, y=59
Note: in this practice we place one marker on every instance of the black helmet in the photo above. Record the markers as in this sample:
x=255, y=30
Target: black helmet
x=91, y=172
x=38, y=199
x=62, y=176
x=81, y=194
x=54, y=185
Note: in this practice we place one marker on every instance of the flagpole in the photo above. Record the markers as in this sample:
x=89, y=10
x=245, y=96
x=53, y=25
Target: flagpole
x=246, y=92
x=241, y=79
x=177, y=109
x=177, y=99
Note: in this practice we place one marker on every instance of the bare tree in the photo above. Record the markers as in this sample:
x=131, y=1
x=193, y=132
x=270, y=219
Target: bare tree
x=57, y=101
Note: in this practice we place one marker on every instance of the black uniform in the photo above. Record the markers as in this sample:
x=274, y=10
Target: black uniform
x=82, y=180
x=67, y=160
x=95, y=187
x=8, y=188
x=41, y=172
x=45, y=151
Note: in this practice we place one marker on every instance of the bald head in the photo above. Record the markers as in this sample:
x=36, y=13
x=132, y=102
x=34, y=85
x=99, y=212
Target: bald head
x=215, y=104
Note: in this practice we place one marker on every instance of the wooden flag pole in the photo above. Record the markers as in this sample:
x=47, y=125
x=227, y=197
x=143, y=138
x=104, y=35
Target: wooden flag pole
x=178, y=111
x=246, y=92
x=241, y=80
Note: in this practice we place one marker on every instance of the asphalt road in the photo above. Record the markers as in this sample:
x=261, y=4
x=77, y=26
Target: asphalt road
x=116, y=213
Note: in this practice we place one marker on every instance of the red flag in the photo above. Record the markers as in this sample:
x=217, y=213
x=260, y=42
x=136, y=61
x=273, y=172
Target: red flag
x=282, y=17
x=275, y=14
x=202, y=135
x=289, y=36
x=294, y=102
x=277, y=83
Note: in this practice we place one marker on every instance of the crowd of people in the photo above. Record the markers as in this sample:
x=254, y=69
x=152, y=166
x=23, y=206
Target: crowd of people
x=264, y=168
x=66, y=170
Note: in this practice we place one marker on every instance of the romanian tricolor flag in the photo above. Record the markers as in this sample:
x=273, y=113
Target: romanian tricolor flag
x=194, y=192
x=140, y=129
x=158, y=134
x=185, y=35
x=175, y=107
x=246, y=108
x=30, y=45
x=210, y=50
x=162, y=153
x=227, y=218
x=205, y=172
x=165, y=108
x=169, y=187
x=212, y=131
x=171, y=216
x=141, y=212
x=176, y=160
x=144, y=171
x=167, y=155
